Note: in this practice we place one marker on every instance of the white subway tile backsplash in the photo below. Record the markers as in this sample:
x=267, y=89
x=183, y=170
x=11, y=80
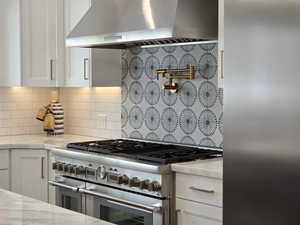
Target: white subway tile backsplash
x=18, y=107
x=83, y=105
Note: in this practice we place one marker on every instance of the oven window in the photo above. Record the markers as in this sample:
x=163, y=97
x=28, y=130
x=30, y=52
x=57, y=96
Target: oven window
x=69, y=202
x=120, y=217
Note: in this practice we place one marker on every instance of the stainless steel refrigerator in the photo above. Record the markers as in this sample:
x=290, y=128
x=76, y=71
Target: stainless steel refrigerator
x=262, y=112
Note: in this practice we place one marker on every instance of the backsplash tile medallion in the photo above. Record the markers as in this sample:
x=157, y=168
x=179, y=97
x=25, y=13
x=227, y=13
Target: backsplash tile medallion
x=191, y=116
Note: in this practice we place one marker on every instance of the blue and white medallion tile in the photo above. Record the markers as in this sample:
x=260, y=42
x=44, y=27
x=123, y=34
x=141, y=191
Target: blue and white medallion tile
x=192, y=116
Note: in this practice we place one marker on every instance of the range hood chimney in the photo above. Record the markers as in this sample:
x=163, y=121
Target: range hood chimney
x=120, y=24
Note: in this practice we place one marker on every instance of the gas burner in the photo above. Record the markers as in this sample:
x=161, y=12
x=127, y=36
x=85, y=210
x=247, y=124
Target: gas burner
x=148, y=152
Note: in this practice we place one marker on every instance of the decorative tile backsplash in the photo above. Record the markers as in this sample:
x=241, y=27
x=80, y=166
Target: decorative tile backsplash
x=191, y=116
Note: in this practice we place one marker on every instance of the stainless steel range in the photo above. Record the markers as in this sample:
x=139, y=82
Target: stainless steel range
x=125, y=182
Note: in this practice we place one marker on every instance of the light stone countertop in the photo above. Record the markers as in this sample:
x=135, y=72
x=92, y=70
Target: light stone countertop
x=16, y=209
x=209, y=168
x=41, y=141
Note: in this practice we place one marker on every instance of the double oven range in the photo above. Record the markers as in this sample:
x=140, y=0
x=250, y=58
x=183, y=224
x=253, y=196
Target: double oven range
x=125, y=182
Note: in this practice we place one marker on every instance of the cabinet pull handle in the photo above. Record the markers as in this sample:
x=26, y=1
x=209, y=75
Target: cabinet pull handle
x=42, y=167
x=222, y=64
x=85, y=66
x=202, y=190
x=51, y=69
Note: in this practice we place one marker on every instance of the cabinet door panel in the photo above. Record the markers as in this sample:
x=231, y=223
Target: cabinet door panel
x=193, y=219
x=29, y=173
x=4, y=179
x=193, y=213
x=10, y=54
x=39, y=33
x=77, y=59
x=4, y=159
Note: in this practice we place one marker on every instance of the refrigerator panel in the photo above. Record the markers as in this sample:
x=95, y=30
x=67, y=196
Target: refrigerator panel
x=262, y=112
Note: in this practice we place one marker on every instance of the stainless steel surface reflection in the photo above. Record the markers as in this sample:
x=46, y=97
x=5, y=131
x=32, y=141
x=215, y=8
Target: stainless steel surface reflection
x=262, y=112
x=127, y=23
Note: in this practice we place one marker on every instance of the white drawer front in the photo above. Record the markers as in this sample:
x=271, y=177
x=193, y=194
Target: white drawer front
x=192, y=213
x=200, y=189
x=4, y=159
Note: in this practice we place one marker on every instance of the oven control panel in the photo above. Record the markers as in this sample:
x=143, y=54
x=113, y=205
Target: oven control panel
x=108, y=175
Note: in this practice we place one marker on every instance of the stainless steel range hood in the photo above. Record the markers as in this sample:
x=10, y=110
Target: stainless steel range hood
x=126, y=23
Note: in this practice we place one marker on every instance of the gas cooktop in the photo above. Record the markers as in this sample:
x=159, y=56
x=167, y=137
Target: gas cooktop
x=148, y=152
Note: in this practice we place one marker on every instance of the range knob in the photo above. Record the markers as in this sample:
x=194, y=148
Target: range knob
x=60, y=166
x=155, y=186
x=80, y=170
x=102, y=172
x=66, y=167
x=54, y=165
x=124, y=180
x=145, y=184
x=134, y=182
x=69, y=168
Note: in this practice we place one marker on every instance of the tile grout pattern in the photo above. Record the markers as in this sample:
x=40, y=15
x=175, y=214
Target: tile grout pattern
x=18, y=108
x=144, y=111
x=83, y=106
x=192, y=116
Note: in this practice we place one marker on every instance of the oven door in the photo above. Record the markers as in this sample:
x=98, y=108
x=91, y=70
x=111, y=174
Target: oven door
x=67, y=194
x=121, y=207
x=121, y=214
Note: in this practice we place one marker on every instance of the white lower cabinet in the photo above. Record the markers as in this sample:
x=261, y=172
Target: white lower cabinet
x=4, y=159
x=4, y=179
x=199, y=200
x=4, y=169
x=192, y=213
x=29, y=173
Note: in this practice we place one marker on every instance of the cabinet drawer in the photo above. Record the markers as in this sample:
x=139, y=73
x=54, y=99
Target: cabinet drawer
x=200, y=189
x=4, y=179
x=193, y=213
x=4, y=159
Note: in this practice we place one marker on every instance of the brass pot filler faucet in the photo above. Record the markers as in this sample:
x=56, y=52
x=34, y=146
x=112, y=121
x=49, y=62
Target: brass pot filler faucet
x=172, y=74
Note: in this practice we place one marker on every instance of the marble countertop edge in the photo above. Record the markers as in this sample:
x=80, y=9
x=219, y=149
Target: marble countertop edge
x=18, y=209
x=41, y=141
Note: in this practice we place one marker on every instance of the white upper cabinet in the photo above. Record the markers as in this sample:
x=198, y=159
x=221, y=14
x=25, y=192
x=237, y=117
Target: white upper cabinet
x=10, y=46
x=33, y=51
x=77, y=59
x=42, y=41
x=88, y=67
x=221, y=45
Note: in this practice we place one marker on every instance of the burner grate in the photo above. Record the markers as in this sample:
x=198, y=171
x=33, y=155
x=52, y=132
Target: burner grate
x=179, y=155
x=146, y=151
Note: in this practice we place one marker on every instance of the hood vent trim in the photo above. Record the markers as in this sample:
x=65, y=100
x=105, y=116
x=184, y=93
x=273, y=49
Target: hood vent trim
x=167, y=41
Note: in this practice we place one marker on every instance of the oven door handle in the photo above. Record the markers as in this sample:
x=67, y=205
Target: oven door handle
x=56, y=184
x=153, y=209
